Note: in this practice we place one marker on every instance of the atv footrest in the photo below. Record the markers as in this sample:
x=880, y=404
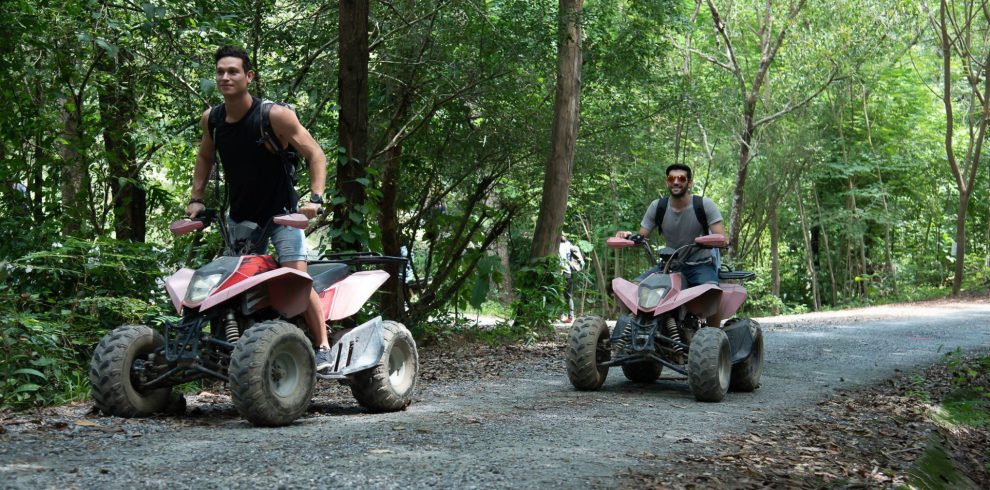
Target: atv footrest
x=359, y=349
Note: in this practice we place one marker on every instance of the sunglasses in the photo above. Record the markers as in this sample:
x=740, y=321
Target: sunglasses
x=676, y=178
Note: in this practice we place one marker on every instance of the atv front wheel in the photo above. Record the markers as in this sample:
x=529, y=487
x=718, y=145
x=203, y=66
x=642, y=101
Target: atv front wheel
x=272, y=373
x=389, y=385
x=587, y=347
x=643, y=371
x=115, y=369
x=746, y=375
x=709, y=364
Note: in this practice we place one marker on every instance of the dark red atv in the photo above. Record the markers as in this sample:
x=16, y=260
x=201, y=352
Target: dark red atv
x=662, y=324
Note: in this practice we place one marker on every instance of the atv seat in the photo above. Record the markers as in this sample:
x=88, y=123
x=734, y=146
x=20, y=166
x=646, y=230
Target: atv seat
x=327, y=274
x=735, y=275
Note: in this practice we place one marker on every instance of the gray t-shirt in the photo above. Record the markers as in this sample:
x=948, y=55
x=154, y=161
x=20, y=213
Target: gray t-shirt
x=682, y=227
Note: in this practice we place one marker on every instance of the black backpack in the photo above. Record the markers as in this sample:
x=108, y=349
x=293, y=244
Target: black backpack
x=699, y=212
x=289, y=157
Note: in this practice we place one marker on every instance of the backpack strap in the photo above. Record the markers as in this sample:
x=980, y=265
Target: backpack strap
x=289, y=158
x=217, y=115
x=699, y=212
x=661, y=211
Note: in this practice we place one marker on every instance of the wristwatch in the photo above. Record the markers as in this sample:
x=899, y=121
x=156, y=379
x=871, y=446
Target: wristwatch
x=316, y=198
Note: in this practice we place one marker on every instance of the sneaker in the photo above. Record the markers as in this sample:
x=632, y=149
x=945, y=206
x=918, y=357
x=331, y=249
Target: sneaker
x=323, y=361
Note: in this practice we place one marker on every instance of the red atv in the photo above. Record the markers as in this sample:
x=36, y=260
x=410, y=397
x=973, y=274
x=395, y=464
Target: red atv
x=662, y=324
x=241, y=323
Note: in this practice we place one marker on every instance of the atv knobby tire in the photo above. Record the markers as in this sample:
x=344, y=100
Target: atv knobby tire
x=112, y=380
x=643, y=371
x=390, y=384
x=709, y=365
x=746, y=375
x=587, y=347
x=272, y=373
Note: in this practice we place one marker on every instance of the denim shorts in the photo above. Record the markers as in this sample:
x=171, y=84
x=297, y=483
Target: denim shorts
x=290, y=243
x=693, y=274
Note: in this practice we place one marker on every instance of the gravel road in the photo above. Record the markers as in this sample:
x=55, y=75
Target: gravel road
x=525, y=428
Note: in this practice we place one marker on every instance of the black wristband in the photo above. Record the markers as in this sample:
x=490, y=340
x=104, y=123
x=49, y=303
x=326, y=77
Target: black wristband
x=196, y=200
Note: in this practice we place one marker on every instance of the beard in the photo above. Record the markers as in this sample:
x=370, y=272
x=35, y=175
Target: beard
x=678, y=192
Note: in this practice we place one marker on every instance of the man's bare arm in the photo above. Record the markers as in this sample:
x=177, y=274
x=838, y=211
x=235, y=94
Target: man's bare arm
x=201, y=171
x=289, y=130
x=718, y=228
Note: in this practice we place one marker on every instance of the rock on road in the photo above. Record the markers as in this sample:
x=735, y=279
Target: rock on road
x=525, y=429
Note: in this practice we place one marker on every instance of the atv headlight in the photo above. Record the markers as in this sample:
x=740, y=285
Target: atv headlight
x=201, y=286
x=650, y=298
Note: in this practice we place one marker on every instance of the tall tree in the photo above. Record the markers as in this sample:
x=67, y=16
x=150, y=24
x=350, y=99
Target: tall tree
x=563, y=132
x=118, y=110
x=962, y=30
x=352, y=132
x=768, y=44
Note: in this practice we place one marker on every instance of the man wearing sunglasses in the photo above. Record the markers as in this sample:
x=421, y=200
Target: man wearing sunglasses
x=682, y=222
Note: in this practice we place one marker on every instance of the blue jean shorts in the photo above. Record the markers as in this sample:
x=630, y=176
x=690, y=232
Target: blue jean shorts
x=693, y=274
x=290, y=243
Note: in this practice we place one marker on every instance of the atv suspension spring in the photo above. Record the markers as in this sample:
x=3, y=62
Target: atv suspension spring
x=623, y=339
x=230, y=328
x=674, y=333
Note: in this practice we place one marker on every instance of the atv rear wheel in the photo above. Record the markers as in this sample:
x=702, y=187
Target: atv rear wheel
x=643, y=371
x=587, y=347
x=709, y=364
x=272, y=373
x=113, y=378
x=746, y=375
x=389, y=385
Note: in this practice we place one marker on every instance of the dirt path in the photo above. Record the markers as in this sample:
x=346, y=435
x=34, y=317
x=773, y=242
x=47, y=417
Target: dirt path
x=503, y=418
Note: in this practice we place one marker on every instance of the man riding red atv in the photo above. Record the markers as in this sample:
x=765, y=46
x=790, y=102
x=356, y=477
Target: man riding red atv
x=242, y=323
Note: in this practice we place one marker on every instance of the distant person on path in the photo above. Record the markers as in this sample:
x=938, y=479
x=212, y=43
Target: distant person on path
x=571, y=261
x=685, y=217
x=259, y=182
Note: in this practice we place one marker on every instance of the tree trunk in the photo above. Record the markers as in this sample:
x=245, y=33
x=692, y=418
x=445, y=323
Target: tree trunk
x=352, y=132
x=828, y=250
x=118, y=108
x=960, y=243
x=742, y=171
x=563, y=133
x=74, y=170
x=774, y=257
x=858, y=266
x=810, y=261
x=507, y=295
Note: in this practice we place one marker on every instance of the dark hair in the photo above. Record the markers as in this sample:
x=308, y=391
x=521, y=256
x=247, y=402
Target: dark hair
x=233, y=52
x=679, y=166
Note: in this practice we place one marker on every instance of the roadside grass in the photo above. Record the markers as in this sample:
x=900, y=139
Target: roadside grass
x=957, y=451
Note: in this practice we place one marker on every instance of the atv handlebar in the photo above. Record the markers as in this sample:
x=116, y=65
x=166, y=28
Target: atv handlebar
x=186, y=225
x=706, y=241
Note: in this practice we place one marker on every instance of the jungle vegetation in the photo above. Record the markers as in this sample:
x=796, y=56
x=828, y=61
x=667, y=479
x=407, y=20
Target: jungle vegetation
x=842, y=141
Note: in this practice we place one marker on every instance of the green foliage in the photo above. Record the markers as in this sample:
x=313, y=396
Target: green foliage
x=539, y=299
x=55, y=304
x=969, y=403
x=460, y=96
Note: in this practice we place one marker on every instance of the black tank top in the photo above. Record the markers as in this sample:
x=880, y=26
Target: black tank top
x=257, y=179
